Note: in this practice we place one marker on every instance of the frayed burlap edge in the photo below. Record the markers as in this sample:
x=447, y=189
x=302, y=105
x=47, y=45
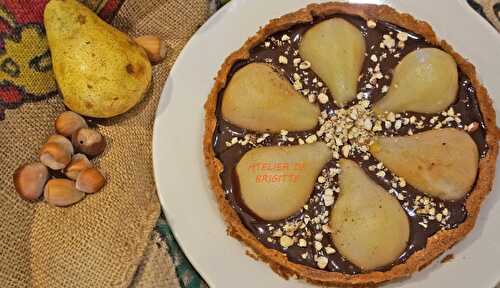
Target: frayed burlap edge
x=157, y=269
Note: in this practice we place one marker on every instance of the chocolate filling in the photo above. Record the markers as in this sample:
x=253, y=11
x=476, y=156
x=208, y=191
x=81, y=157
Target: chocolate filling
x=466, y=104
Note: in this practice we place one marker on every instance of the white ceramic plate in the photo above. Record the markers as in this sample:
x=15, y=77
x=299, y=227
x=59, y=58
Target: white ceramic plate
x=180, y=172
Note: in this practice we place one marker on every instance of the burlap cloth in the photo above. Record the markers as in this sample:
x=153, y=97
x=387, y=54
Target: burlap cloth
x=157, y=268
x=100, y=241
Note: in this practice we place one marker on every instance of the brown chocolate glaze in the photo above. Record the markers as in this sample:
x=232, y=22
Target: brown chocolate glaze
x=466, y=105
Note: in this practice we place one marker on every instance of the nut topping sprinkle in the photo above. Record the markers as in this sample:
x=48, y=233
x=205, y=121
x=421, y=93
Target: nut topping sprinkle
x=348, y=130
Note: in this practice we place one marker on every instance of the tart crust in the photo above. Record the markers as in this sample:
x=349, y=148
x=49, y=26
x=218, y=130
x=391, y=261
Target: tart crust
x=439, y=242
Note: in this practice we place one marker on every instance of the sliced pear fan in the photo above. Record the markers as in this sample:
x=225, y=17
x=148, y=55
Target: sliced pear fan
x=335, y=48
x=260, y=99
x=425, y=81
x=368, y=225
x=275, y=182
x=441, y=163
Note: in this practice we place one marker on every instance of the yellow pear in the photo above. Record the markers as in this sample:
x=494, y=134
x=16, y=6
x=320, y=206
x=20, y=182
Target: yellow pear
x=369, y=226
x=260, y=99
x=336, y=50
x=100, y=71
x=441, y=163
x=275, y=182
x=425, y=81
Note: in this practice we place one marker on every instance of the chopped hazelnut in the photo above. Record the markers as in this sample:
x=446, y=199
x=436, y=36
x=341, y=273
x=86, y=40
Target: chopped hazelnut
x=282, y=59
x=322, y=262
x=371, y=24
x=286, y=241
x=323, y=98
x=305, y=65
x=311, y=139
x=329, y=250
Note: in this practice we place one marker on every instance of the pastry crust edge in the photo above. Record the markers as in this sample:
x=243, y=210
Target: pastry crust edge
x=436, y=244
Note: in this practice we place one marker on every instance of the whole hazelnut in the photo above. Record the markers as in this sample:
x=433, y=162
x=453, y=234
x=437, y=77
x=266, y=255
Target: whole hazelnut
x=62, y=192
x=68, y=122
x=78, y=163
x=29, y=180
x=90, y=181
x=63, y=141
x=88, y=141
x=55, y=156
x=154, y=47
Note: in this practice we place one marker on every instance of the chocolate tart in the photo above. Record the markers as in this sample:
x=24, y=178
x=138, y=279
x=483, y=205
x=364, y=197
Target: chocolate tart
x=394, y=145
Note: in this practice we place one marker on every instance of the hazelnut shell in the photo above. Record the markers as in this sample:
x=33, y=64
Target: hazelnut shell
x=63, y=141
x=78, y=163
x=29, y=180
x=62, y=192
x=88, y=142
x=154, y=47
x=68, y=122
x=55, y=156
x=90, y=181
